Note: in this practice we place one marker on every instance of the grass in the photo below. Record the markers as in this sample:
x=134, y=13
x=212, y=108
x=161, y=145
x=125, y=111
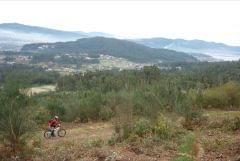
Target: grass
x=84, y=140
x=183, y=158
x=227, y=121
x=187, y=146
x=186, y=150
x=219, y=143
x=218, y=114
x=97, y=142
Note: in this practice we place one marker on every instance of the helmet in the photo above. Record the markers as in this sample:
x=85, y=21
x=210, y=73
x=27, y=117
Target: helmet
x=56, y=117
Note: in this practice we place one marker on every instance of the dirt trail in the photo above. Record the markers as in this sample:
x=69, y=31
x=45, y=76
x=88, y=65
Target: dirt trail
x=199, y=150
x=104, y=131
x=82, y=133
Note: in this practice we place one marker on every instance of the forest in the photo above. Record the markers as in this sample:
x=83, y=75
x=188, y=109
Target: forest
x=26, y=75
x=110, y=46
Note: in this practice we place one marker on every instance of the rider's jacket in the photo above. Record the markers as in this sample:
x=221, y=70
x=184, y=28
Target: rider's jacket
x=54, y=122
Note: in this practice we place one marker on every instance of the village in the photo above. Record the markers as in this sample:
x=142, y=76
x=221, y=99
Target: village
x=74, y=63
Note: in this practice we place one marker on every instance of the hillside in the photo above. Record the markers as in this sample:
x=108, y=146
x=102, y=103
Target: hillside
x=215, y=50
x=113, y=47
x=189, y=113
x=90, y=142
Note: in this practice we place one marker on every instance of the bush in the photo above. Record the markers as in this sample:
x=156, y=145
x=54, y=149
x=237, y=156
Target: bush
x=161, y=128
x=55, y=108
x=112, y=141
x=232, y=124
x=147, y=103
x=106, y=113
x=194, y=119
x=42, y=115
x=142, y=127
x=227, y=124
x=123, y=120
x=227, y=95
x=16, y=116
x=95, y=143
x=235, y=124
x=214, y=98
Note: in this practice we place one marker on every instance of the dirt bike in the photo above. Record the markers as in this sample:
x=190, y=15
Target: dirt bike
x=57, y=132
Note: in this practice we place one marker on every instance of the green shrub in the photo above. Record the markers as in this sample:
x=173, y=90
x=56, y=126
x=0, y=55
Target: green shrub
x=225, y=96
x=95, y=143
x=194, y=119
x=126, y=131
x=142, y=127
x=236, y=124
x=16, y=116
x=161, y=128
x=42, y=115
x=112, y=141
x=214, y=98
x=133, y=137
x=106, y=113
x=147, y=103
x=218, y=144
x=123, y=120
x=55, y=107
x=232, y=124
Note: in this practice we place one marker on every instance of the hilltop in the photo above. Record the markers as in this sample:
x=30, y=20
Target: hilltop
x=113, y=47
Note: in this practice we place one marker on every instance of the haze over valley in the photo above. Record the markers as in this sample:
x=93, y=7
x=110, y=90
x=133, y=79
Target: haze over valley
x=76, y=49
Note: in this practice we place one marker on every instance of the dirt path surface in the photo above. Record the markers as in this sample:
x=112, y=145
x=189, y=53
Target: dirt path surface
x=199, y=150
x=73, y=146
x=82, y=133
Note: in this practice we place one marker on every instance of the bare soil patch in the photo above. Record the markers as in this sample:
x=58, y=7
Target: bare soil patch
x=41, y=89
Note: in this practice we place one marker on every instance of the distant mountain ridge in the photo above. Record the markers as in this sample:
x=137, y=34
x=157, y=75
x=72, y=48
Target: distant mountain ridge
x=216, y=50
x=14, y=35
x=113, y=47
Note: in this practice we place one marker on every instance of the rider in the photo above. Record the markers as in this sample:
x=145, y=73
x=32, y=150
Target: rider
x=53, y=124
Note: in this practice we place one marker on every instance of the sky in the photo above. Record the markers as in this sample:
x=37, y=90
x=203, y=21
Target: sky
x=207, y=20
